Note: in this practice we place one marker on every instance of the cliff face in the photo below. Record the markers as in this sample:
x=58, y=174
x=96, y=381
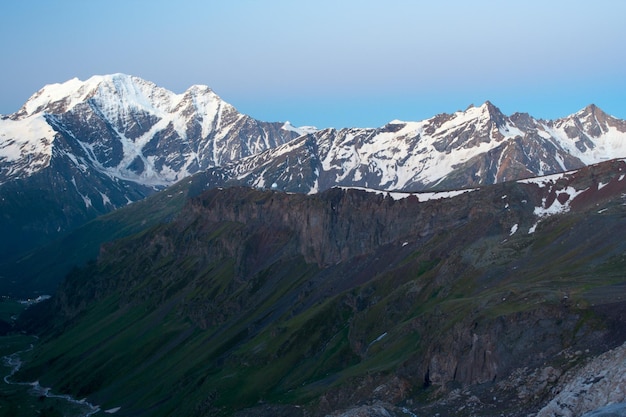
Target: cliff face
x=348, y=297
x=338, y=225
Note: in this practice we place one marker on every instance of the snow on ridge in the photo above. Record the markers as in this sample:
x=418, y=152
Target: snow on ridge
x=546, y=179
x=301, y=130
x=544, y=211
x=421, y=196
x=548, y=182
x=21, y=138
x=70, y=93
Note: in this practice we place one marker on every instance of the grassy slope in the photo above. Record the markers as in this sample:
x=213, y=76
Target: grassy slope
x=41, y=270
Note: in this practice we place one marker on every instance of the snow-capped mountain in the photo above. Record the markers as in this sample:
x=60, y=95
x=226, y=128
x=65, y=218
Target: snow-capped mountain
x=473, y=147
x=83, y=148
x=130, y=129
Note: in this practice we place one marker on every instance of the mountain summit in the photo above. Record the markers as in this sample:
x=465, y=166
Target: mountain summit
x=131, y=129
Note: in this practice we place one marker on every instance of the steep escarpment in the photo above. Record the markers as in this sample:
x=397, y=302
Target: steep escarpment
x=260, y=302
x=340, y=224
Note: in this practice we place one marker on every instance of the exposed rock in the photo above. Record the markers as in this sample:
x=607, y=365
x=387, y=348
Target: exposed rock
x=366, y=411
x=600, y=382
x=613, y=410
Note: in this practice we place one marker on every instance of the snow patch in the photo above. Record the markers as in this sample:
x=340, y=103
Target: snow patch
x=513, y=229
x=557, y=207
x=87, y=201
x=546, y=179
x=421, y=196
x=302, y=130
x=105, y=199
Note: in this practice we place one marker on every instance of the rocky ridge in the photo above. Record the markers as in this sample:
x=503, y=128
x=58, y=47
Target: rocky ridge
x=478, y=146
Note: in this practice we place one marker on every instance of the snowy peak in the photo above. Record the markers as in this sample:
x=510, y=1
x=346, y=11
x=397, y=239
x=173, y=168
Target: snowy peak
x=131, y=129
x=596, y=122
x=471, y=128
x=495, y=114
x=111, y=92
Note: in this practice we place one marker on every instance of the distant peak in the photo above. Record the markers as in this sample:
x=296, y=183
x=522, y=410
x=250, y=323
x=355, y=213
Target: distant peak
x=200, y=87
x=591, y=110
x=491, y=107
x=301, y=130
x=487, y=111
x=201, y=90
x=487, y=107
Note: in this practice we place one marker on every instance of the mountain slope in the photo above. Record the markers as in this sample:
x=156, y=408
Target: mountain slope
x=250, y=298
x=81, y=149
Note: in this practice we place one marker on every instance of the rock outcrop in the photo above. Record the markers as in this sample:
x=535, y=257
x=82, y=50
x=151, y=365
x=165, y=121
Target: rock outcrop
x=598, y=383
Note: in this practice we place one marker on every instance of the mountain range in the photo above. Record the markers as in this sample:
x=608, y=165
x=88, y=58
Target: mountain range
x=478, y=146
x=467, y=264
x=80, y=149
x=133, y=131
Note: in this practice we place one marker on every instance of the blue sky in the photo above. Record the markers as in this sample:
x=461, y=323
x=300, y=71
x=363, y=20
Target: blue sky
x=331, y=63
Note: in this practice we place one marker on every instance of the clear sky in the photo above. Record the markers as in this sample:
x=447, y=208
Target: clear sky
x=330, y=63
